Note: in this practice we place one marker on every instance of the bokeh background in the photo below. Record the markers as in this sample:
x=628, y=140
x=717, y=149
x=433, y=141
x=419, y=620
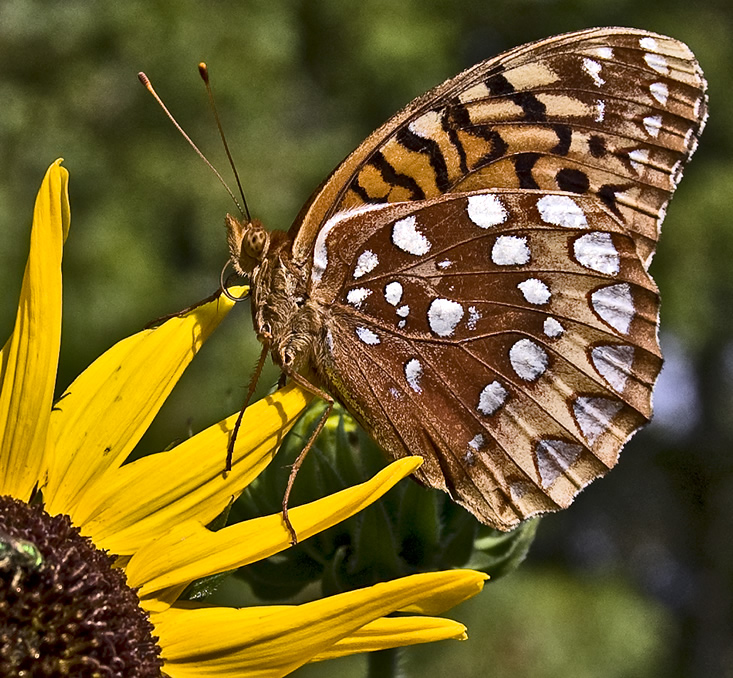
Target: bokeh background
x=636, y=578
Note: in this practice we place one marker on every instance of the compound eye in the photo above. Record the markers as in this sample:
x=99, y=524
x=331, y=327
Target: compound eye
x=254, y=242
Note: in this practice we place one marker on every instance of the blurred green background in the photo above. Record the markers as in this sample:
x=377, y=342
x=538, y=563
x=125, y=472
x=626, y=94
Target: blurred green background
x=636, y=578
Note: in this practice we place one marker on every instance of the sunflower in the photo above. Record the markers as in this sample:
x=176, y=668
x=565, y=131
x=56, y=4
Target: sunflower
x=95, y=553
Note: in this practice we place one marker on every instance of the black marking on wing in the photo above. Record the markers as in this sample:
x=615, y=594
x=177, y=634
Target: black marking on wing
x=429, y=147
x=523, y=164
x=391, y=176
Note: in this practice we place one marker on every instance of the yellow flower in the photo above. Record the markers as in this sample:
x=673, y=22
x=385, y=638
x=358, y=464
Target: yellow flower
x=67, y=500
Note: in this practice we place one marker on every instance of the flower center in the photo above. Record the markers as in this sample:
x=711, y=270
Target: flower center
x=64, y=609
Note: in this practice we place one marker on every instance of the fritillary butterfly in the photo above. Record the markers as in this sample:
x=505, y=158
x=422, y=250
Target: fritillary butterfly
x=471, y=282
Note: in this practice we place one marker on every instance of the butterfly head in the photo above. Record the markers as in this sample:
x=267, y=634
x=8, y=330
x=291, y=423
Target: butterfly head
x=248, y=244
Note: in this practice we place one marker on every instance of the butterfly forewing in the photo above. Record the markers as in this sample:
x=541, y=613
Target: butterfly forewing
x=512, y=334
x=613, y=113
x=472, y=280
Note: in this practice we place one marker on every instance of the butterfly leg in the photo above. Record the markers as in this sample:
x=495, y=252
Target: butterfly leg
x=311, y=388
x=250, y=392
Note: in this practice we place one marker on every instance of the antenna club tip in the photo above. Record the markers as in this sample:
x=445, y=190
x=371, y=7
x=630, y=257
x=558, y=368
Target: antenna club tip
x=204, y=71
x=143, y=78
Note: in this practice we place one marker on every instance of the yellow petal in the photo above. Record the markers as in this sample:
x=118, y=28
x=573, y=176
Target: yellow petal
x=104, y=413
x=189, y=552
x=389, y=632
x=273, y=641
x=186, y=482
x=30, y=357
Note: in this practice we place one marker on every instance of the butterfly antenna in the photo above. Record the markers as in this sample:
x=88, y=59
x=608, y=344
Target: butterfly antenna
x=148, y=86
x=204, y=73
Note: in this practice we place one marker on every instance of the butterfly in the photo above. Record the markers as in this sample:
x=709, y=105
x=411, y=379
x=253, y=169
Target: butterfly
x=472, y=281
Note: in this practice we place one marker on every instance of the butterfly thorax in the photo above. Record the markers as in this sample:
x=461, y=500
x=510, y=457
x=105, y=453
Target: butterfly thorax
x=284, y=318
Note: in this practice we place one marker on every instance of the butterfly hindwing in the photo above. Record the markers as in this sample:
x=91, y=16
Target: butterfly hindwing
x=512, y=334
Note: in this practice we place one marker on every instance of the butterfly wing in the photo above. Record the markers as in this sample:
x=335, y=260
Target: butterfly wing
x=609, y=112
x=481, y=265
x=510, y=337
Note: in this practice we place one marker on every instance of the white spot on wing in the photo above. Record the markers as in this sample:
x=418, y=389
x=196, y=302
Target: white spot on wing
x=652, y=125
x=366, y=263
x=696, y=113
x=603, y=52
x=658, y=63
x=413, y=374
x=597, y=252
x=486, y=211
x=649, y=44
x=367, y=336
x=593, y=68
x=393, y=293
x=473, y=317
x=639, y=157
x=554, y=457
x=552, y=328
x=426, y=126
x=529, y=360
x=406, y=236
x=660, y=220
x=443, y=316
x=356, y=296
x=615, y=305
x=476, y=442
x=675, y=174
x=691, y=140
x=491, y=398
x=660, y=92
x=510, y=250
x=614, y=364
x=594, y=415
x=320, y=252
x=403, y=312
x=561, y=210
x=535, y=291
x=445, y=263
x=474, y=445
x=600, y=110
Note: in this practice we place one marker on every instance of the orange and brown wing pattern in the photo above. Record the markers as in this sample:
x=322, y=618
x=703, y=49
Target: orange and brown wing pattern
x=613, y=113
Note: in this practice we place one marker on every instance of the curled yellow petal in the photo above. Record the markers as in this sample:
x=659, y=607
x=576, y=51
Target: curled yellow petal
x=273, y=641
x=29, y=359
x=104, y=413
x=389, y=632
x=186, y=482
x=191, y=551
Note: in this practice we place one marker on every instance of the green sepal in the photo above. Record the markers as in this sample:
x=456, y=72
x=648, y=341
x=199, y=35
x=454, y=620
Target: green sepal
x=411, y=529
x=499, y=553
